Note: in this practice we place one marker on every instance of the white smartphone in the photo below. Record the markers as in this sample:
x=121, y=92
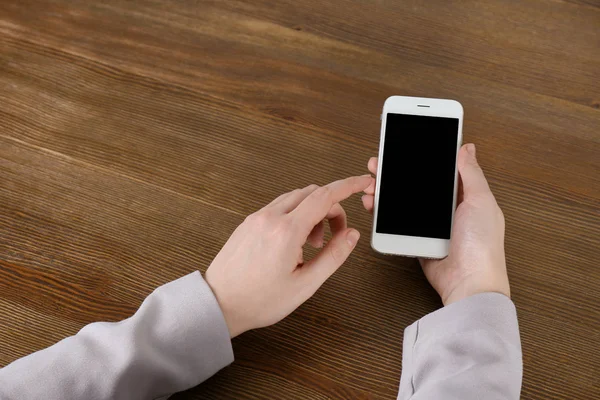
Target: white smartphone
x=417, y=177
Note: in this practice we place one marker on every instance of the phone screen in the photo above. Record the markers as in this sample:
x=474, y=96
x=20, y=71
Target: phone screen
x=417, y=176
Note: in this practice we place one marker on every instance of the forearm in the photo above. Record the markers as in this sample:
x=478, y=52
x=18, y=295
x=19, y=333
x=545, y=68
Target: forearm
x=468, y=350
x=177, y=339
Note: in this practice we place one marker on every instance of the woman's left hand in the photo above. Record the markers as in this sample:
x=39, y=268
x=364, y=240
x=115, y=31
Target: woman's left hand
x=260, y=277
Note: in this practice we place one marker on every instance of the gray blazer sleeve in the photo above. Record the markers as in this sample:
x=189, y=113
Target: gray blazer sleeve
x=177, y=339
x=468, y=350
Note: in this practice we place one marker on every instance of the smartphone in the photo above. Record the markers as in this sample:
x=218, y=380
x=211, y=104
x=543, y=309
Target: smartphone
x=417, y=177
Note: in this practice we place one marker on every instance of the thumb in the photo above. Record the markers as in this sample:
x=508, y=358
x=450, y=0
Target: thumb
x=320, y=268
x=473, y=179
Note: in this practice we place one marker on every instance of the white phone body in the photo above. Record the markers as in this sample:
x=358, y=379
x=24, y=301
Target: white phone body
x=415, y=246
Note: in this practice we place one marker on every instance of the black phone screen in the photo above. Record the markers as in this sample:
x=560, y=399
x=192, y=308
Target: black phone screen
x=417, y=176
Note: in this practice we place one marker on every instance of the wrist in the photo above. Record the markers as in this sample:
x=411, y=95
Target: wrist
x=233, y=324
x=476, y=285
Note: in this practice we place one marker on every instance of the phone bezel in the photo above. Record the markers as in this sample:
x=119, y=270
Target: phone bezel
x=413, y=246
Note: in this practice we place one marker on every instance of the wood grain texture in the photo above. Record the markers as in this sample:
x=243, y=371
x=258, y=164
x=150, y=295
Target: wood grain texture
x=135, y=136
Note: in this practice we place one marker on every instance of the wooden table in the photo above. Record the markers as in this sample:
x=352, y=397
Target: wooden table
x=135, y=136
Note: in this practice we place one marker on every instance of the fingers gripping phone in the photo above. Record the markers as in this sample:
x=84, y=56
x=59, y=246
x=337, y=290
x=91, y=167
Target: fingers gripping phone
x=417, y=178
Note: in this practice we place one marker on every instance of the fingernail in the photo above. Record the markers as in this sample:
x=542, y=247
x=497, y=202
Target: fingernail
x=471, y=149
x=353, y=237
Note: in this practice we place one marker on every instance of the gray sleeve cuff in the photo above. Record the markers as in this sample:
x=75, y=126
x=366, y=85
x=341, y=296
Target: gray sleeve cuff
x=202, y=337
x=468, y=349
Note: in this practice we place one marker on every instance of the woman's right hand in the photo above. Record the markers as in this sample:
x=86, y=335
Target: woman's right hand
x=476, y=261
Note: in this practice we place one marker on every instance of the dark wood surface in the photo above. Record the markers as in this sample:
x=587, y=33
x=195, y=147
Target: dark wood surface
x=135, y=136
